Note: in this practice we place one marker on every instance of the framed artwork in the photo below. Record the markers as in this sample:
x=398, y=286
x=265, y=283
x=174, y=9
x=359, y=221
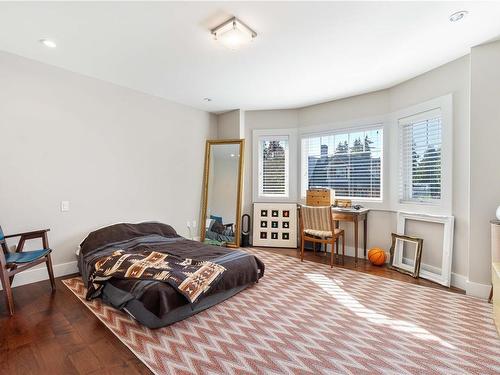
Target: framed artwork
x=400, y=243
x=275, y=224
x=440, y=272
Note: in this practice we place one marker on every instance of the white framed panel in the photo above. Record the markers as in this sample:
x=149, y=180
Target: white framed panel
x=275, y=224
x=443, y=275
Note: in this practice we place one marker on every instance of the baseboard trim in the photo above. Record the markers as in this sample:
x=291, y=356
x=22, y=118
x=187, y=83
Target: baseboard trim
x=457, y=280
x=477, y=289
x=39, y=274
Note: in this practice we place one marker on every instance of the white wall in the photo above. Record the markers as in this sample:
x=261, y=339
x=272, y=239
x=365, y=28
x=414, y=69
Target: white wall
x=230, y=125
x=114, y=153
x=337, y=112
x=340, y=114
x=450, y=78
x=271, y=119
x=485, y=159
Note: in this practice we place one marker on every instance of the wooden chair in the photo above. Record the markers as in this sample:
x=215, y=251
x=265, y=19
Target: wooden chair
x=317, y=226
x=12, y=263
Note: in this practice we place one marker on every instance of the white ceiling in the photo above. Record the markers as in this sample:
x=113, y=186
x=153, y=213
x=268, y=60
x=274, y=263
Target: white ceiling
x=304, y=53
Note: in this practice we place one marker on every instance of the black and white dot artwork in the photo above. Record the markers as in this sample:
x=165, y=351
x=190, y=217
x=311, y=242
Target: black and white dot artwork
x=275, y=225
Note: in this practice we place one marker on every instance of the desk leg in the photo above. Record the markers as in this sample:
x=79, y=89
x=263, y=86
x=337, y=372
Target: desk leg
x=337, y=225
x=356, y=242
x=365, y=235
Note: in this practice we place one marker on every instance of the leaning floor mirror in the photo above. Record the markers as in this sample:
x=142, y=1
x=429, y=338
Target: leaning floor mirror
x=221, y=208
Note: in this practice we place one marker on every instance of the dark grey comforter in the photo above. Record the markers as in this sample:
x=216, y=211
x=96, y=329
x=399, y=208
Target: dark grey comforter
x=156, y=303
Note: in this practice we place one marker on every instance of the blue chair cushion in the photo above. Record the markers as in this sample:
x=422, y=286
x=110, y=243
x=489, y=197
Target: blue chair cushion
x=216, y=218
x=26, y=256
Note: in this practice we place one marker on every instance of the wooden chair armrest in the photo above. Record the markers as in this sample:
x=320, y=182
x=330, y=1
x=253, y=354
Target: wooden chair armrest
x=33, y=234
x=42, y=233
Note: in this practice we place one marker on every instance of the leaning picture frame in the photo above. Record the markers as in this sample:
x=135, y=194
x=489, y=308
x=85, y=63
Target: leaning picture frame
x=397, y=248
x=442, y=274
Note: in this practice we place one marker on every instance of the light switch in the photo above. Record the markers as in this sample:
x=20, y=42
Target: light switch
x=64, y=206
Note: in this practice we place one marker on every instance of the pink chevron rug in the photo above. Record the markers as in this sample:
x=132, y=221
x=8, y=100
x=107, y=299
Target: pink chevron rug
x=305, y=318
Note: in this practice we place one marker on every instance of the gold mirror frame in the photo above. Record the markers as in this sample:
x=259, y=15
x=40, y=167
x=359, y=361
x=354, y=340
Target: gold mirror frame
x=237, y=232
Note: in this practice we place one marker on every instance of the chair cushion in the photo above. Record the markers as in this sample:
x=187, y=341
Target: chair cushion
x=26, y=256
x=321, y=233
x=217, y=218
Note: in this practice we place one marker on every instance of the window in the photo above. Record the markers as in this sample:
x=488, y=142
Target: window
x=420, y=169
x=349, y=163
x=273, y=177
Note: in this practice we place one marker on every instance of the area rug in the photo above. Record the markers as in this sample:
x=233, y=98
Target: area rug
x=306, y=318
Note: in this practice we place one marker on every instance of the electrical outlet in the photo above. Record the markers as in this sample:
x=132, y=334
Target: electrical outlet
x=64, y=206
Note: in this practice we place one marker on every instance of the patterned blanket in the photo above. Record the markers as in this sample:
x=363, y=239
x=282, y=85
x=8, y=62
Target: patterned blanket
x=189, y=277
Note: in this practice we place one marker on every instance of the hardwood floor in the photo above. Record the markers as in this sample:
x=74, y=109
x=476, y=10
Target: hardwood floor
x=363, y=266
x=56, y=334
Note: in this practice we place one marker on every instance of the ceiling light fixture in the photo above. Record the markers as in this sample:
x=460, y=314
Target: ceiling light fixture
x=48, y=43
x=207, y=99
x=457, y=16
x=233, y=33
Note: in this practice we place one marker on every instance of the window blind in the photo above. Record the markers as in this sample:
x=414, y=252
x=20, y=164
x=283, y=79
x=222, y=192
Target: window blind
x=349, y=163
x=421, y=140
x=273, y=166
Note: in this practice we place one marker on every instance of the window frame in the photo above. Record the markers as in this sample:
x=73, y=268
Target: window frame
x=443, y=206
x=259, y=134
x=370, y=125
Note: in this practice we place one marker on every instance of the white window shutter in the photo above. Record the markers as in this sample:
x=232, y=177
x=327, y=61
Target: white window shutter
x=274, y=179
x=349, y=163
x=421, y=158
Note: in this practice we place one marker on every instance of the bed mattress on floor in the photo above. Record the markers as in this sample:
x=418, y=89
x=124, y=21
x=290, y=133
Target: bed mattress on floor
x=155, y=303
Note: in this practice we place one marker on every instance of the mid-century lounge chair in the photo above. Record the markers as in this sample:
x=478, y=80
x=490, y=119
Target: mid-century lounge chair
x=12, y=263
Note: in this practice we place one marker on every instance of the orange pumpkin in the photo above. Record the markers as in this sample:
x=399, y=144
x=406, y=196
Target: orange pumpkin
x=376, y=256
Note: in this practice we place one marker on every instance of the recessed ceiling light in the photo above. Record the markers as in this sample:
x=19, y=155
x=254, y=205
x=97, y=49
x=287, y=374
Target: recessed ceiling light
x=457, y=16
x=233, y=33
x=48, y=43
x=207, y=99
